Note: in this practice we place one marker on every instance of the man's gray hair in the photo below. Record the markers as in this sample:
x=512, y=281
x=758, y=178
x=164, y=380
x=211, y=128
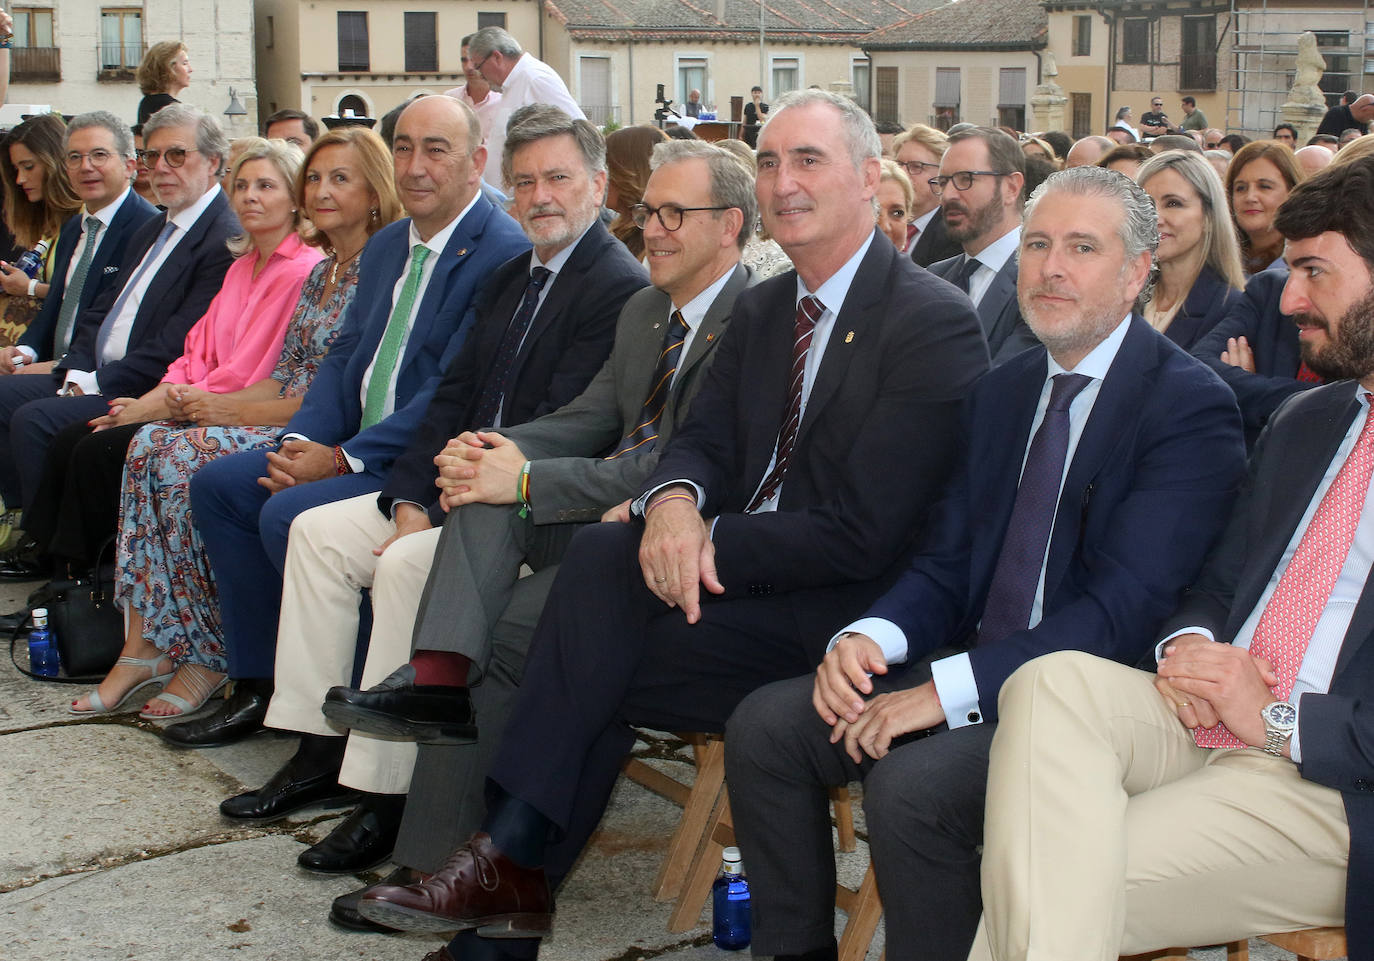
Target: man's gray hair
x=539, y=120
x=861, y=135
x=123, y=137
x=490, y=40
x=210, y=139
x=732, y=182
x=1139, y=229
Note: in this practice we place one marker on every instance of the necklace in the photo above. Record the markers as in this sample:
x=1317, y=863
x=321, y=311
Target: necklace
x=334, y=271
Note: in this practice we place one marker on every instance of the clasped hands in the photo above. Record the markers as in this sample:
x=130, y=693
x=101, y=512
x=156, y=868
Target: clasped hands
x=868, y=727
x=297, y=461
x=1205, y=682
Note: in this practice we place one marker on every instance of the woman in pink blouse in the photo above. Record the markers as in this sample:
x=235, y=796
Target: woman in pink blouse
x=235, y=345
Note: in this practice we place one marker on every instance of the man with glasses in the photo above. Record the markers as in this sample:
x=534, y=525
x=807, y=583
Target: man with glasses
x=140, y=305
x=475, y=91
x=1094, y=476
x=797, y=483
x=918, y=151
x=1153, y=122
x=981, y=185
x=1214, y=139
x=582, y=460
x=523, y=78
x=419, y=278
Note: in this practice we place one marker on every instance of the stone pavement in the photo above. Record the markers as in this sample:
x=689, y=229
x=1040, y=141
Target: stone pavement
x=112, y=847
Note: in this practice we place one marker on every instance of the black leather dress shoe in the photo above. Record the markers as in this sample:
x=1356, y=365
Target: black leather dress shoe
x=344, y=910
x=238, y=716
x=23, y=567
x=398, y=707
x=360, y=841
x=290, y=789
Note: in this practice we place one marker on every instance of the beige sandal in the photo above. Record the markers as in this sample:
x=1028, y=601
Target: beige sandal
x=200, y=682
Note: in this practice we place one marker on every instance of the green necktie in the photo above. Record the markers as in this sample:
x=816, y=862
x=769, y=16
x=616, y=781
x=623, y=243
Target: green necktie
x=71, y=297
x=389, y=352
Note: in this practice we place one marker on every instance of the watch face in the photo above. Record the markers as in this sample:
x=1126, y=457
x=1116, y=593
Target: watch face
x=1281, y=714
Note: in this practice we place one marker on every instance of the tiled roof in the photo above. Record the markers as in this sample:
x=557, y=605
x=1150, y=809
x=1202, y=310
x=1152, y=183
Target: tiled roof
x=965, y=25
x=817, y=21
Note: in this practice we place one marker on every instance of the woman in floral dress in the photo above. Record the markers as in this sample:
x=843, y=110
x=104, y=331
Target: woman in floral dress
x=164, y=579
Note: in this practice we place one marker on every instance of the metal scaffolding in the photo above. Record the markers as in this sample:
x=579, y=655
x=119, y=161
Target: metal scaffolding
x=1264, y=46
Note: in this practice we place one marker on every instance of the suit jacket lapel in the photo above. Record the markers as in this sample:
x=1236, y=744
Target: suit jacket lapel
x=850, y=326
x=770, y=376
x=713, y=324
x=993, y=306
x=565, y=284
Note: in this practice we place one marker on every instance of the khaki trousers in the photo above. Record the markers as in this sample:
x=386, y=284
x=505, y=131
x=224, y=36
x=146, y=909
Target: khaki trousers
x=1109, y=832
x=329, y=561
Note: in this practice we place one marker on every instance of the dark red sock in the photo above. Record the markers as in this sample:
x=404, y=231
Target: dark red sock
x=440, y=668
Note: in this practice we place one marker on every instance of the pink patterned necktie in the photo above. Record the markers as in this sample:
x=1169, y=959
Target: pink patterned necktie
x=1290, y=617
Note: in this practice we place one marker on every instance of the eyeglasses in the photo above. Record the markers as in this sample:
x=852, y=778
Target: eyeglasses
x=1214, y=145
x=962, y=179
x=478, y=65
x=914, y=168
x=175, y=156
x=98, y=157
x=669, y=215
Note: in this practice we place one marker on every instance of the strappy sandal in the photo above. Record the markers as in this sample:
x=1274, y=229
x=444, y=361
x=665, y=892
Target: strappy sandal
x=201, y=688
x=98, y=705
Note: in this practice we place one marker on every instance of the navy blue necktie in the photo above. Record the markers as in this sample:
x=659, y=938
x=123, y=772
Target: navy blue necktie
x=966, y=271
x=494, y=389
x=1012, y=593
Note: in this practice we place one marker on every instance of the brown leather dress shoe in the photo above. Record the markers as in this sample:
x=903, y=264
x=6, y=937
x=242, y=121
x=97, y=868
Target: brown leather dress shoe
x=441, y=955
x=477, y=887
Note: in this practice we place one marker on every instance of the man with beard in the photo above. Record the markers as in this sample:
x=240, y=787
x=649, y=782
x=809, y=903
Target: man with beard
x=1081, y=506
x=981, y=187
x=1233, y=795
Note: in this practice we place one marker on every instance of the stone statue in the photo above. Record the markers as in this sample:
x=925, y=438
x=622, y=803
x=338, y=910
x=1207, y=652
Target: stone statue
x=1307, y=73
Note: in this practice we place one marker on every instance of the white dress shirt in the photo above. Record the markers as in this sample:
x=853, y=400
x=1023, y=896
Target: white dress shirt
x=1319, y=661
x=953, y=676
x=992, y=259
x=530, y=81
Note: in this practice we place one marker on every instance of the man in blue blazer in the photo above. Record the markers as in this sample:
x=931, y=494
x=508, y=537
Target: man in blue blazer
x=1132, y=451
x=135, y=326
x=419, y=281
x=1235, y=795
x=782, y=506
x=983, y=179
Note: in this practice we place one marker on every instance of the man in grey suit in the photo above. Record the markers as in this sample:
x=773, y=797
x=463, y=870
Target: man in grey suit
x=982, y=187
x=518, y=496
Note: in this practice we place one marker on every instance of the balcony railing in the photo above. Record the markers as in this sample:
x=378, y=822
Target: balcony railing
x=1197, y=71
x=118, y=61
x=35, y=64
x=600, y=114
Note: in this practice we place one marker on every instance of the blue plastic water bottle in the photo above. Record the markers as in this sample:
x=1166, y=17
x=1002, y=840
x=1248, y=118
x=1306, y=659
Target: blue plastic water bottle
x=43, y=659
x=30, y=261
x=730, y=904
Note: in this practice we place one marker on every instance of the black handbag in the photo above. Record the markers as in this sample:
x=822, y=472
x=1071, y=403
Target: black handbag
x=83, y=617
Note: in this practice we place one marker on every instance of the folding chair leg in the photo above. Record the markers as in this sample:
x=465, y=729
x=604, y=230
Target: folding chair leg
x=865, y=909
x=705, y=866
x=691, y=829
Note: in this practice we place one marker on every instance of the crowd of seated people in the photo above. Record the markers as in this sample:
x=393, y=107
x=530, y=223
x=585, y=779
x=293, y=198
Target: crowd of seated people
x=952, y=499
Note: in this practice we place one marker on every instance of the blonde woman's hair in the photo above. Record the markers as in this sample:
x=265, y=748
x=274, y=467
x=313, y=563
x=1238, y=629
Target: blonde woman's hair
x=1219, y=230
x=283, y=155
x=154, y=74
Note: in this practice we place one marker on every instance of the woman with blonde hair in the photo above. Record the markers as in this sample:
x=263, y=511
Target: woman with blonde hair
x=1198, y=258
x=918, y=152
x=1261, y=176
x=38, y=196
x=893, y=202
x=164, y=73
x=627, y=172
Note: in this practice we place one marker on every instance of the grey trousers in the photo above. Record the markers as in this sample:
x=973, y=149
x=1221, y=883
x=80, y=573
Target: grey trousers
x=924, y=807
x=475, y=604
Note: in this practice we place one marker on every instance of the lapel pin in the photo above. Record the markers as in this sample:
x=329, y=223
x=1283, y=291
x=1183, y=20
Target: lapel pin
x=849, y=337
x=462, y=250
x=656, y=326
x=710, y=337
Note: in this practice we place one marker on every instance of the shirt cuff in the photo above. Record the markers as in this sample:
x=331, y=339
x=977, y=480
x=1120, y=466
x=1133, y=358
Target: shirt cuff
x=354, y=464
x=28, y=352
x=86, y=380
x=1159, y=648
x=1294, y=742
x=890, y=638
x=637, y=508
x=957, y=690
x=398, y=502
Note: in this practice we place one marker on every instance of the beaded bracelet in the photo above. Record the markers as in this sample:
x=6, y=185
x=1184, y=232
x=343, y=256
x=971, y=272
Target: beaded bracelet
x=7, y=43
x=341, y=464
x=674, y=496
x=522, y=489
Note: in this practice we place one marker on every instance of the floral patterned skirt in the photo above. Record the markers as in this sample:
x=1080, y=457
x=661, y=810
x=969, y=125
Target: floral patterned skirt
x=163, y=572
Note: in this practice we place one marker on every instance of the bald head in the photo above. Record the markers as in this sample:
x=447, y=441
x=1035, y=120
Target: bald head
x=1087, y=151
x=1312, y=158
x=1363, y=108
x=439, y=158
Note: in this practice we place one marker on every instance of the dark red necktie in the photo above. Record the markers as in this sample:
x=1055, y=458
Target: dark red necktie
x=809, y=310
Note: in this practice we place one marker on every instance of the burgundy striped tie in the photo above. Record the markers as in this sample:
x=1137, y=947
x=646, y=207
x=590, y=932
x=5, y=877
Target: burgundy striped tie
x=809, y=310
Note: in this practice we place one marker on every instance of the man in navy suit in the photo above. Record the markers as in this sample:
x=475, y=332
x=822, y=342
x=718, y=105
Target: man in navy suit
x=1235, y=795
x=1093, y=479
x=136, y=325
x=414, y=306
x=780, y=508
x=982, y=181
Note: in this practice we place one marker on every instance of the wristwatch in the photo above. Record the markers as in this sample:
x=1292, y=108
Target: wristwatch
x=1280, y=718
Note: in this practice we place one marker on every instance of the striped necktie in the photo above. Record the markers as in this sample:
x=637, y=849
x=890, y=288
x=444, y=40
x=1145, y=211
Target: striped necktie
x=809, y=311
x=645, y=431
